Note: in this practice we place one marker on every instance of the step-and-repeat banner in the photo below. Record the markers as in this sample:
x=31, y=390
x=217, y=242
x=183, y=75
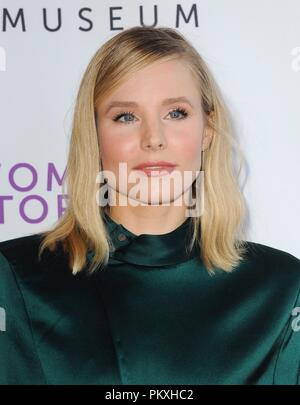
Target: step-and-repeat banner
x=252, y=48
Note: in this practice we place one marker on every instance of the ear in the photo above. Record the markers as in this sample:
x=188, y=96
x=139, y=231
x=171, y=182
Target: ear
x=207, y=137
x=208, y=131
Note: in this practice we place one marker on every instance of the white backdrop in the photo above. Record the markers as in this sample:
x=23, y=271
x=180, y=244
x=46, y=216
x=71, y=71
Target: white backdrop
x=252, y=47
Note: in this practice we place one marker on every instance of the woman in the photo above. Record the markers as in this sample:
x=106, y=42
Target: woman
x=140, y=292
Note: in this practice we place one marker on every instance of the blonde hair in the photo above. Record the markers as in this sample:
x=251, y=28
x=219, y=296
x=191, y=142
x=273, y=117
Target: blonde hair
x=219, y=230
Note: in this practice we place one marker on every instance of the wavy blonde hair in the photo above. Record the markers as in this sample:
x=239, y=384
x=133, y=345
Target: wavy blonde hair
x=82, y=226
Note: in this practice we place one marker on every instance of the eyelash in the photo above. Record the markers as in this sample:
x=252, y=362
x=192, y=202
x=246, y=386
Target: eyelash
x=177, y=109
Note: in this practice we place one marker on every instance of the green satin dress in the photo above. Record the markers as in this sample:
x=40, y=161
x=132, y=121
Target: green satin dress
x=153, y=315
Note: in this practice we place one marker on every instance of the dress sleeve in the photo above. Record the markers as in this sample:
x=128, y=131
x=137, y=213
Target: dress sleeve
x=287, y=369
x=19, y=361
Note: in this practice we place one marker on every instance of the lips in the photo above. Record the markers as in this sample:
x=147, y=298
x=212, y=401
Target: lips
x=160, y=163
x=159, y=168
x=157, y=171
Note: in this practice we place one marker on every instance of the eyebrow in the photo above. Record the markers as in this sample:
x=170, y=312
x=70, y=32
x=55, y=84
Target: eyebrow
x=165, y=102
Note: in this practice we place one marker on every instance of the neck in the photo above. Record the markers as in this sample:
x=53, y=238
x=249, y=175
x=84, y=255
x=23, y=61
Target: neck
x=155, y=220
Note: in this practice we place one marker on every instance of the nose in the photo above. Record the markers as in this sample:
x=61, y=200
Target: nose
x=153, y=138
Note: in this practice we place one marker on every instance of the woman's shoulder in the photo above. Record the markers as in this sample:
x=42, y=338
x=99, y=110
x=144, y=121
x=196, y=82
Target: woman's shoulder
x=271, y=258
x=21, y=250
x=20, y=256
x=27, y=281
x=16, y=253
x=270, y=269
x=21, y=247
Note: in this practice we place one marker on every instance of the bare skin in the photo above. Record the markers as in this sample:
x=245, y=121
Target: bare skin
x=153, y=131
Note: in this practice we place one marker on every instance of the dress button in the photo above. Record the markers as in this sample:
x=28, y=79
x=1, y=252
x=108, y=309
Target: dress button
x=121, y=236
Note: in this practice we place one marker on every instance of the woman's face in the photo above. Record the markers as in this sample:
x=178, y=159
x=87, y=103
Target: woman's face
x=153, y=129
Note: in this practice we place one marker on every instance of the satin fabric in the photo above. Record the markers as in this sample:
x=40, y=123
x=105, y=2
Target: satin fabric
x=153, y=315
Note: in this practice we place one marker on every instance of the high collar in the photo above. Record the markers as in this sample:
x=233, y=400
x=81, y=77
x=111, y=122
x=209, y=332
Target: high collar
x=151, y=250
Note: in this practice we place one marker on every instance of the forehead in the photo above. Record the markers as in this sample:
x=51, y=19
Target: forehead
x=162, y=71
x=160, y=80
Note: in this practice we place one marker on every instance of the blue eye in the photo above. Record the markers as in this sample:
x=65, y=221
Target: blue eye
x=182, y=111
x=117, y=117
x=125, y=113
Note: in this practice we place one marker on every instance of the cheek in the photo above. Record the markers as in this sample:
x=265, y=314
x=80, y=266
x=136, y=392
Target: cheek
x=115, y=149
x=188, y=149
x=191, y=158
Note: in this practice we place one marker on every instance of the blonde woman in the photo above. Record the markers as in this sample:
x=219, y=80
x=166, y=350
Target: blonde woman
x=150, y=291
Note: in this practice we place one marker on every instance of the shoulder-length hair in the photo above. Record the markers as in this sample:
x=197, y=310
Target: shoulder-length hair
x=219, y=230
